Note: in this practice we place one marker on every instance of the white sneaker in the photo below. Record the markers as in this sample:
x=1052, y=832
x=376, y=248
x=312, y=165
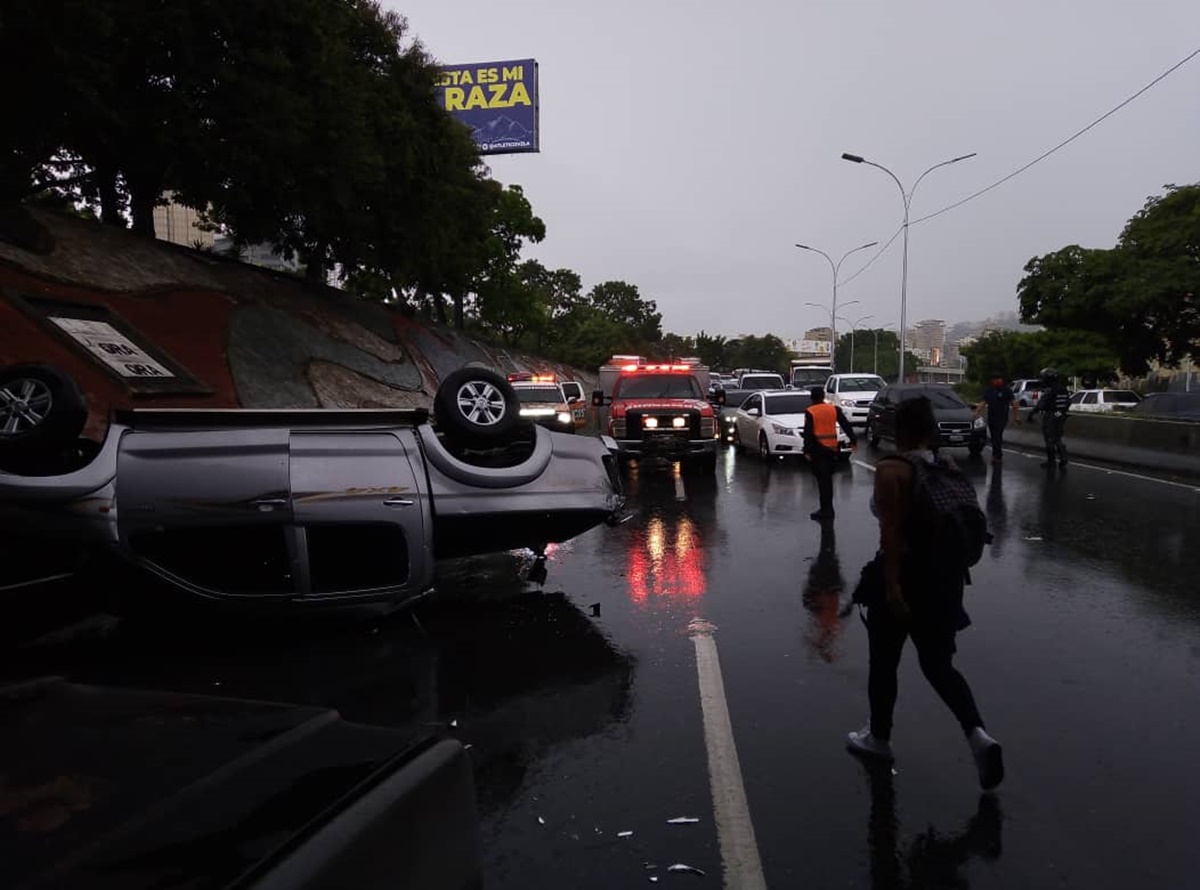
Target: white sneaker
x=989, y=758
x=862, y=742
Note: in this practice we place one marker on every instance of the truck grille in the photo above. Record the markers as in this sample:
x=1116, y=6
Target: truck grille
x=636, y=427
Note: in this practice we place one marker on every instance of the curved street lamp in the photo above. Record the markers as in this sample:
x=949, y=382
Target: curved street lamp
x=853, y=330
x=906, y=196
x=836, y=267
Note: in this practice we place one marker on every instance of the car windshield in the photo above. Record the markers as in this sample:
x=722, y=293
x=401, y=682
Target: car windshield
x=659, y=386
x=1121, y=395
x=859, y=384
x=762, y=381
x=806, y=377
x=538, y=394
x=792, y=404
x=939, y=398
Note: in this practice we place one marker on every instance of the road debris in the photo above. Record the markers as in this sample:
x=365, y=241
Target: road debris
x=541, y=821
x=1033, y=537
x=683, y=820
x=689, y=869
x=624, y=834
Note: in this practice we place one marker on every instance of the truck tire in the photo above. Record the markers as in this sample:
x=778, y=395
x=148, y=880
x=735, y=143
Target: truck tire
x=476, y=406
x=40, y=407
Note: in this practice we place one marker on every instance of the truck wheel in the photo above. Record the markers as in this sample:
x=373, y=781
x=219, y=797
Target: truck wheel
x=872, y=435
x=476, y=406
x=40, y=406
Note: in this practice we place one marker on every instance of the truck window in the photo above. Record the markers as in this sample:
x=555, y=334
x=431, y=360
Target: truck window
x=762, y=381
x=658, y=386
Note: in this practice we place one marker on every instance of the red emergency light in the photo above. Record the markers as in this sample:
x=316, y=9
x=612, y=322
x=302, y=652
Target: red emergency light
x=656, y=368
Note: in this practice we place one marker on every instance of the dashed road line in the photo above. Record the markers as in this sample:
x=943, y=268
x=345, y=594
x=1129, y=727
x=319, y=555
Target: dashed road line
x=680, y=493
x=863, y=464
x=735, y=832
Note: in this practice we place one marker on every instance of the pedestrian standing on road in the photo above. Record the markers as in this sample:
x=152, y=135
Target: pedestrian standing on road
x=821, y=422
x=999, y=401
x=922, y=598
x=1053, y=406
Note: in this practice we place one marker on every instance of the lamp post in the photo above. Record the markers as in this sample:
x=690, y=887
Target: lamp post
x=853, y=330
x=832, y=331
x=906, y=196
x=836, y=267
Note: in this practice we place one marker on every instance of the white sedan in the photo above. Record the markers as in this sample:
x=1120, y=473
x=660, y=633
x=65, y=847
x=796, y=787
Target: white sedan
x=1092, y=401
x=772, y=422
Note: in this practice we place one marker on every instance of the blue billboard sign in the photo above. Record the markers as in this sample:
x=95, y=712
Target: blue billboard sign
x=498, y=101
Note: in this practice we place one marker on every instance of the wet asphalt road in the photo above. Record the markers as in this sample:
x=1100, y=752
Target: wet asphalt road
x=580, y=697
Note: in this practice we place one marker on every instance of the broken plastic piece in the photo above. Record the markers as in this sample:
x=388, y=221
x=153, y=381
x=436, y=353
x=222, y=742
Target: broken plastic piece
x=454, y=724
x=541, y=821
x=624, y=834
x=690, y=869
x=1033, y=537
x=682, y=820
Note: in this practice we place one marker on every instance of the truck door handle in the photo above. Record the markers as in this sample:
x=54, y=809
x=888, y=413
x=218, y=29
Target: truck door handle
x=399, y=502
x=265, y=505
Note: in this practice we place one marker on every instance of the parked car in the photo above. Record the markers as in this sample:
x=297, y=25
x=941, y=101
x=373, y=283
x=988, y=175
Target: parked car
x=298, y=507
x=772, y=422
x=958, y=427
x=1027, y=392
x=1170, y=406
x=853, y=393
x=573, y=390
x=1102, y=401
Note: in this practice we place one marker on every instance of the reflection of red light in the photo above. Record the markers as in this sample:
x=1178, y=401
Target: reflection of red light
x=667, y=561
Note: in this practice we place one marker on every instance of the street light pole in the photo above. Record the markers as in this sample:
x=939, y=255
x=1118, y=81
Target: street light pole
x=853, y=330
x=832, y=331
x=836, y=267
x=906, y=196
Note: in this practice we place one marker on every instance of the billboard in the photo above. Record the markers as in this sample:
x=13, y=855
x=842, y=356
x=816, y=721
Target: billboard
x=498, y=101
x=814, y=347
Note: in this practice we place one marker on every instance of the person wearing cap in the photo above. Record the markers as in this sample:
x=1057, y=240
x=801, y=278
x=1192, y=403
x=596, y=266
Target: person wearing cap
x=821, y=422
x=1000, y=401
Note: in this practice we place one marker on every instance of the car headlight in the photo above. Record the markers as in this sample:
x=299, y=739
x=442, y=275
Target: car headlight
x=978, y=423
x=565, y=417
x=847, y=403
x=782, y=430
x=650, y=422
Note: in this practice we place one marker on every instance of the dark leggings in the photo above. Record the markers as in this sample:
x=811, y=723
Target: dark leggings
x=935, y=649
x=996, y=431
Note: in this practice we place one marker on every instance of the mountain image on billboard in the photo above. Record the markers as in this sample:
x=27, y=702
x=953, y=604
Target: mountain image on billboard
x=497, y=101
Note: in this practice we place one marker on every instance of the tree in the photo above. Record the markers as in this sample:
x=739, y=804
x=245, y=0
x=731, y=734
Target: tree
x=712, y=350
x=768, y=353
x=1019, y=355
x=622, y=302
x=1140, y=296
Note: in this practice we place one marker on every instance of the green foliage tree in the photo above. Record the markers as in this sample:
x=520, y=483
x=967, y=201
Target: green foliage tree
x=623, y=303
x=1140, y=296
x=768, y=353
x=1023, y=354
x=712, y=350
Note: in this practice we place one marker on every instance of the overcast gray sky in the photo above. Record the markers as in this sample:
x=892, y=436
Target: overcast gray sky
x=687, y=146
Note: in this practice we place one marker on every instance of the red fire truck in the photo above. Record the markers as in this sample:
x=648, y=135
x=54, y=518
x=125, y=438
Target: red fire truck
x=659, y=410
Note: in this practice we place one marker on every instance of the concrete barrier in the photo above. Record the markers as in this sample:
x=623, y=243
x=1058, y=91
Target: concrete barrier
x=1166, y=445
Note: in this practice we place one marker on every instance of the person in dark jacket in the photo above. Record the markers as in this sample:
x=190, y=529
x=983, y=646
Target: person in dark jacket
x=1053, y=406
x=821, y=422
x=923, y=599
x=999, y=401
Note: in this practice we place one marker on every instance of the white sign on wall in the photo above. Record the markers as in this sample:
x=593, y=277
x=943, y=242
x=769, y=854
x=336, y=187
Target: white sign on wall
x=112, y=347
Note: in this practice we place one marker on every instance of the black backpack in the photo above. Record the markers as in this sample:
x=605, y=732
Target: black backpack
x=947, y=522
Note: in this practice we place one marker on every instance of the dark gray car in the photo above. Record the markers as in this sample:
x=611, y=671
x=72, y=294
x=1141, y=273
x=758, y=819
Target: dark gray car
x=958, y=427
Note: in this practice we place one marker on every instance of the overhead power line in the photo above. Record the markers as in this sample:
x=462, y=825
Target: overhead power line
x=1024, y=167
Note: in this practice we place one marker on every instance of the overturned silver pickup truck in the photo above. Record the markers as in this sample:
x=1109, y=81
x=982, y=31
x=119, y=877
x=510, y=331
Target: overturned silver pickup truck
x=289, y=506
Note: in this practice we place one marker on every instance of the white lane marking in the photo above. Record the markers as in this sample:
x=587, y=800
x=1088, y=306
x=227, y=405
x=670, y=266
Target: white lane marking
x=735, y=831
x=864, y=464
x=680, y=494
x=1110, y=471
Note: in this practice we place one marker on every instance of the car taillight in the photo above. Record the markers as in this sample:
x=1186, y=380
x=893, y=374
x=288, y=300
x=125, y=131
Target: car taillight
x=708, y=428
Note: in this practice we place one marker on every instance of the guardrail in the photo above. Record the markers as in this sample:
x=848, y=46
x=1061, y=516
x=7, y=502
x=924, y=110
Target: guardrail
x=1168, y=445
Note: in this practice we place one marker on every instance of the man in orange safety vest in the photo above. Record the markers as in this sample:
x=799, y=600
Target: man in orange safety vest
x=821, y=422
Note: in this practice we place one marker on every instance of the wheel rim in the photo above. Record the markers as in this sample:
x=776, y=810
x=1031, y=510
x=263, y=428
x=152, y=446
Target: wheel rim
x=764, y=449
x=24, y=405
x=481, y=403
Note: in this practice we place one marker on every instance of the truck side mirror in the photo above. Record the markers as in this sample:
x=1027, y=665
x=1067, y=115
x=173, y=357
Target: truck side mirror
x=598, y=398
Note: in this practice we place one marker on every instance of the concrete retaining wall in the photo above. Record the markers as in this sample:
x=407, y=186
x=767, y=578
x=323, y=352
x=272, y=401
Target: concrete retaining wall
x=1165, y=445
x=236, y=334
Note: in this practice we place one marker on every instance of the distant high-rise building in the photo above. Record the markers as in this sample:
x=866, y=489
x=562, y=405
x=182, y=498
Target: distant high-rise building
x=929, y=335
x=823, y=333
x=257, y=255
x=179, y=225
